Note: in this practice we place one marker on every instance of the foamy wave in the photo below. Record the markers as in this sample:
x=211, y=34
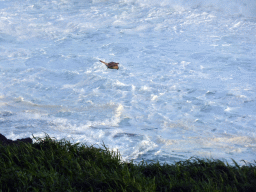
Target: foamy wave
x=231, y=7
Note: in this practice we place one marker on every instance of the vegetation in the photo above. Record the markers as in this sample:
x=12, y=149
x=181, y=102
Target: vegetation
x=49, y=165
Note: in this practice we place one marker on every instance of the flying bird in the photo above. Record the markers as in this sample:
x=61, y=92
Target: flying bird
x=111, y=65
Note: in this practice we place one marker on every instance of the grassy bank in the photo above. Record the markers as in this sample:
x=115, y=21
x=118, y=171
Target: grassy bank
x=49, y=165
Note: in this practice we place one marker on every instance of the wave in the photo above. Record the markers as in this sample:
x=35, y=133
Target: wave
x=230, y=7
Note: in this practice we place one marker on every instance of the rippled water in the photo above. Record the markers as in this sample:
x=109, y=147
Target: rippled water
x=186, y=84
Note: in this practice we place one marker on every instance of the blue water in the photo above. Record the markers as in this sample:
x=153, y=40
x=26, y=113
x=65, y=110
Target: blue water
x=185, y=88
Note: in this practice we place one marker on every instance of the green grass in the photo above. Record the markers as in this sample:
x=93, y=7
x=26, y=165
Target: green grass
x=49, y=165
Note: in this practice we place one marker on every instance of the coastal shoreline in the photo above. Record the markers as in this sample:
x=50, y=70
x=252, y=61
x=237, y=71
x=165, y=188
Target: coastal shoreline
x=51, y=165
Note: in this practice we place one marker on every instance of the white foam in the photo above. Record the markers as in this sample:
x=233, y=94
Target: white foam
x=186, y=77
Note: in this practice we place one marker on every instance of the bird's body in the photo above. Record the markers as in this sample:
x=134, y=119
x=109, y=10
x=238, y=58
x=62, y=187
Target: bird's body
x=111, y=65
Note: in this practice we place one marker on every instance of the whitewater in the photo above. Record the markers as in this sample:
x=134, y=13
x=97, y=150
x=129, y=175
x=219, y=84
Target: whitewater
x=185, y=85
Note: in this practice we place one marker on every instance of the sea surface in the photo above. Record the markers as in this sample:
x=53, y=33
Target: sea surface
x=186, y=86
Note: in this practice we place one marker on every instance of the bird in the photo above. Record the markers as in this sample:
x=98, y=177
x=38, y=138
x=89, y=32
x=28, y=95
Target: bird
x=111, y=65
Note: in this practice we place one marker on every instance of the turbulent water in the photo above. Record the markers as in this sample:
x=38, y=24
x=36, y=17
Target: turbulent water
x=186, y=86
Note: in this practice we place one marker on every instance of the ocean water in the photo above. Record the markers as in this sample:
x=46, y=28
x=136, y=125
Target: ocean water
x=186, y=86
